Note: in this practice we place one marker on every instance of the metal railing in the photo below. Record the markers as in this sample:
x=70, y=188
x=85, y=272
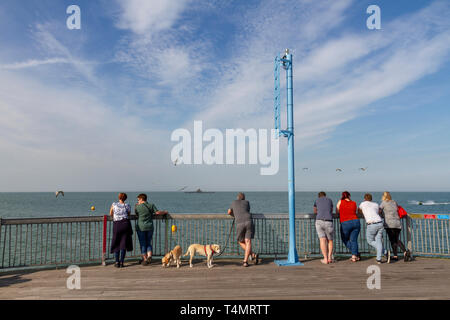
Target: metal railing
x=78, y=240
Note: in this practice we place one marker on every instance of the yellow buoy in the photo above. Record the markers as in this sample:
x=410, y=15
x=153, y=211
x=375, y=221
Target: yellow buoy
x=92, y=208
x=174, y=228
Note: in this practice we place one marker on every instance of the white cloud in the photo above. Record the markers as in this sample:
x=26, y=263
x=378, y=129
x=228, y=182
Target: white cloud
x=68, y=137
x=337, y=77
x=149, y=17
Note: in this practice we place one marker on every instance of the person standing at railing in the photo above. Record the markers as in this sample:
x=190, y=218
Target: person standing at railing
x=122, y=231
x=245, y=230
x=144, y=228
x=323, y=208
x=350, y=226
x=393, y=225
x=374, y=222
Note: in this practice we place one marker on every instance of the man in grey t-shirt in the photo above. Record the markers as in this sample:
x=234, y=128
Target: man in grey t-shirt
x=323, y=208
x=240, y=210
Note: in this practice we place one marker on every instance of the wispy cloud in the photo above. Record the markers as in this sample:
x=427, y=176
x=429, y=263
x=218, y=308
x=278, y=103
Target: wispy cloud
x=335, y=77
x=47, y=40
x=149, y=17
x=34, y=63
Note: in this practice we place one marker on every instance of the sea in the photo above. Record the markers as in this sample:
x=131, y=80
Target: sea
x=74, y=204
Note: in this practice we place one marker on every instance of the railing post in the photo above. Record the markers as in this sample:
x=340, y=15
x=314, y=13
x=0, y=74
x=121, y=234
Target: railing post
x=105, y=223
x=408, y=234
x=166, y=235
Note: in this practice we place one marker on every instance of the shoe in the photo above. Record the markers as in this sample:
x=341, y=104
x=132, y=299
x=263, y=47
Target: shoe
x=245, y=264
x=379, y=261
x=407, y=256
x=256, y=258
x=121, y=265
x=144, y=262
x=149, y=260
x=117, y=265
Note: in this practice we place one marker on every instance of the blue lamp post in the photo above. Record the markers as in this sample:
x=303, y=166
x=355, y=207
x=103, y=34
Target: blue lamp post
x=286, y=62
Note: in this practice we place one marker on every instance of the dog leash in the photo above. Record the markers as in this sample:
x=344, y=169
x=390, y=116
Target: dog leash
x=228, y=239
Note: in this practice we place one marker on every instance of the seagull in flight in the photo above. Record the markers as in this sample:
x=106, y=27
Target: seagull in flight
x=305, y=169
x=182, y=188
x=363, y=169
x=57, y=193
x=339, y=169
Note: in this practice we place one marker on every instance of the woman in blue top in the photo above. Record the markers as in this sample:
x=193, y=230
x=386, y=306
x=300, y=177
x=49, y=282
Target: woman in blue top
x=122, y=231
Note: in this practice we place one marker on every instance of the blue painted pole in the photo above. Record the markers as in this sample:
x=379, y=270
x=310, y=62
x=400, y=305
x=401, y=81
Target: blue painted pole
x=292, y=255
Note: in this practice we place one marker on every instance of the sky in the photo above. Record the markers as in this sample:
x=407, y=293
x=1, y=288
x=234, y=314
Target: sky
x=93, y=109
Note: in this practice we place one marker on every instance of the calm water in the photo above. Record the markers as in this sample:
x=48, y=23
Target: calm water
x=45, y=204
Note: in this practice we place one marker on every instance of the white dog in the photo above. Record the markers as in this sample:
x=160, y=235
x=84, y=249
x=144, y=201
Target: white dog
x=204, y=250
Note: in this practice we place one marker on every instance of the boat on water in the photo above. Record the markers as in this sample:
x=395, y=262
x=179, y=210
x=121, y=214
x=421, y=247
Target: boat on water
x=199, y=191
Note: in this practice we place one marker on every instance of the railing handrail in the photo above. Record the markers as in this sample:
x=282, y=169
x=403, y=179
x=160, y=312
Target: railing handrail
x=52, y=240
x=177, y=216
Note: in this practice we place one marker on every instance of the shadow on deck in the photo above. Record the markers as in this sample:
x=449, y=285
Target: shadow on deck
x=424, y=278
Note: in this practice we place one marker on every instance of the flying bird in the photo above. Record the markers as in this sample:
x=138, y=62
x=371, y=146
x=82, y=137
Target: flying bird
x=182, y=188
x=338, y=169
x=175, y=162
x=57, y=193
x=363, y=169
x=305, y=169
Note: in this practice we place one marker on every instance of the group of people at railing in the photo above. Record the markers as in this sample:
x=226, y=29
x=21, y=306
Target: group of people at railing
x=378, y=217
x=122, y=230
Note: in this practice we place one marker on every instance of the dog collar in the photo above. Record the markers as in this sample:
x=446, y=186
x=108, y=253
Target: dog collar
x=206, y=253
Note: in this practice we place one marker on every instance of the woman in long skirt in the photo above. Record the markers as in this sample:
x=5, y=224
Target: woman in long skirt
x=122, y=231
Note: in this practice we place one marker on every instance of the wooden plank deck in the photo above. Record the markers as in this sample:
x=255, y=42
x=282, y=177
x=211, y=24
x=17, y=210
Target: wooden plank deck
x=424, y=278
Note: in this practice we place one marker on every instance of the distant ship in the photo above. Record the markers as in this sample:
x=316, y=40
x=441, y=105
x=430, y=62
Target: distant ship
x=199, y=191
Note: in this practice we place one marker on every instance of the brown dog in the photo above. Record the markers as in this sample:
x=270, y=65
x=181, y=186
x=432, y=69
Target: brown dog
x=204, y=250
x=172, y=256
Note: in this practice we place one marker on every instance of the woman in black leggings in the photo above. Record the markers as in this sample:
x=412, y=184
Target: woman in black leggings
x=393, y=226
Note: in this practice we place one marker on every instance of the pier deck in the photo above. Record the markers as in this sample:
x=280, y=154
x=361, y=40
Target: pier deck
x=424, y=278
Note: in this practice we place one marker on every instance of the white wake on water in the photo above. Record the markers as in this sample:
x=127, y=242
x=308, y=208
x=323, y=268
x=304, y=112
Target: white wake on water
x=428, y=203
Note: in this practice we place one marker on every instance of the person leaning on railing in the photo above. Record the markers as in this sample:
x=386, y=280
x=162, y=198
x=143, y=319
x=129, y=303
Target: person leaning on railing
x=122, y=231
x=346, y=209
x=375, y=227
x=245, y=230
x=144, y=227
x=323, y=209
x=392, y=225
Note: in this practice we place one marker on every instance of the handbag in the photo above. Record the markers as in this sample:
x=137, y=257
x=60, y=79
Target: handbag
x=401, y=212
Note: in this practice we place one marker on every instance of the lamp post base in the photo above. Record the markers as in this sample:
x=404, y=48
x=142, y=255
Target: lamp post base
x=287, y=263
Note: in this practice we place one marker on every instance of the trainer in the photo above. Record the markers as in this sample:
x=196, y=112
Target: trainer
x=245, y=230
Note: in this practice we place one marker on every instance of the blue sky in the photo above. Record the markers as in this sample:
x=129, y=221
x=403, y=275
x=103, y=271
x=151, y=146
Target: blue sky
x=93, y=109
